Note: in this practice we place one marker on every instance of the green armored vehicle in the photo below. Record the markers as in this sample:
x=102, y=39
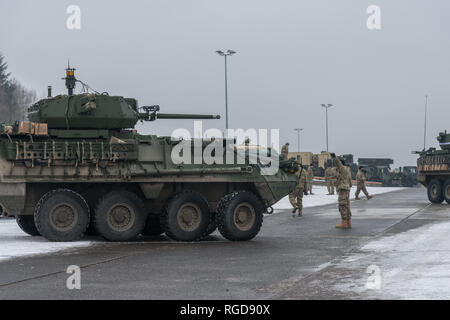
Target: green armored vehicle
x=78, y=166
x=433, y=170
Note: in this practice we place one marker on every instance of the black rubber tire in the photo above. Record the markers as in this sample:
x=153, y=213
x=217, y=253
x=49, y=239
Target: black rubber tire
x=26, y=223
x=134, y=205
x=152, y=227
x=446, y=191
x=435, y=191
x=170, y=221
x=48, y=202
x=212, y=226
x=226, y=216
x=90, y=231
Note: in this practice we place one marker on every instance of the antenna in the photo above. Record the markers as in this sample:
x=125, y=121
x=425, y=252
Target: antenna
x=425, y=125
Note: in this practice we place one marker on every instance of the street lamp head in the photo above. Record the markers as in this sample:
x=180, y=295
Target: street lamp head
x=230, y=52
x=327, y=105
x=219, y=52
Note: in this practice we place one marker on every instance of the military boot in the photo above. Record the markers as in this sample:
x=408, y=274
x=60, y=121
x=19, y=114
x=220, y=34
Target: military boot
x=357, y=198
x=300, y=213
x=369, y=197
x=342, y=225
x=349, y=223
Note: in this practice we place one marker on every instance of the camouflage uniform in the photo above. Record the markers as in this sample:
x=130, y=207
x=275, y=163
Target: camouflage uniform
x=361, y=184
x=285, y=151
x=328, y=175
x=296, y=196
x=334, y=175
x=310, y=180
x=343, y=186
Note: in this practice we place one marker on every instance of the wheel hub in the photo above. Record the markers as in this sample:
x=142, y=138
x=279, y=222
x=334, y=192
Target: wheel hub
x=121, y=217
x=434, y=190
x=244, y=216
x=189, y=216
x=63, y=217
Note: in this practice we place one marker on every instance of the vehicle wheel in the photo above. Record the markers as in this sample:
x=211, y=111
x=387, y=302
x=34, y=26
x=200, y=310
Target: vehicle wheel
x=240, y=216
x=446, y=191
x=26, y=223
x=120, y=216
x=152, y=226
x=186, y=216
x=435, y=193
x=61, y=215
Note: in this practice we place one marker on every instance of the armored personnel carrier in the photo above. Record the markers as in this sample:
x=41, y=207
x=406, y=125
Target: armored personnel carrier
x=433, y=170
x=78, y=166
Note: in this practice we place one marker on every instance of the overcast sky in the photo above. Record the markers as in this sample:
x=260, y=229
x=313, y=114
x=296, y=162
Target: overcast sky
x=291, y=57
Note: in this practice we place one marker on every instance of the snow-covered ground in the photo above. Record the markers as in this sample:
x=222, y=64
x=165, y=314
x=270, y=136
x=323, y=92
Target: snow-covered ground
x=320, y=197
x=411, y=265
x=15, y=243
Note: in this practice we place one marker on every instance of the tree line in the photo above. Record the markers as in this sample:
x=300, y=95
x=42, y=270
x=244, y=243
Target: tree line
x=14, y=98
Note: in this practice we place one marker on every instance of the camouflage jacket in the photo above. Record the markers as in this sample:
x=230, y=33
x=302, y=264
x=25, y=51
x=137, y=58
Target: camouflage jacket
x=361, y=177
x=302, y=178
x=333, y=174
x=310, y=173
x=328, y=173
x=344, y=178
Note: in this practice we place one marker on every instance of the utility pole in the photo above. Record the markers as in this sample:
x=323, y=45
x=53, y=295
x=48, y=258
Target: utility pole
x=298, y=137
x=225, y=55
x=327, y=106
x=425, y=125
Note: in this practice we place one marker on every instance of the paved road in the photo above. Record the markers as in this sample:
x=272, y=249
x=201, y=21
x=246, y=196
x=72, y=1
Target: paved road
x=292, y=258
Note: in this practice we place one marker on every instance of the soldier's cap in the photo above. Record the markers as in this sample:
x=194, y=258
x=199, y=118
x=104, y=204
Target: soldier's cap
x=287, y=143
x=361, y=167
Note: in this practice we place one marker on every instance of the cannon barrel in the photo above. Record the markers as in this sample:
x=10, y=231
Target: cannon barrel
x=186, y=116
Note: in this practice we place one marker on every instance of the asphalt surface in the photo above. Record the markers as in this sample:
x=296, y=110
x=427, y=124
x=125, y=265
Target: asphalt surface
x=292, y=258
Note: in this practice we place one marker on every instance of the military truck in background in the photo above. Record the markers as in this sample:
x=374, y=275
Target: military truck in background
x=403, y=177
x=377, y=169
x=78, y=166
x=319, y=162
x=433, y=170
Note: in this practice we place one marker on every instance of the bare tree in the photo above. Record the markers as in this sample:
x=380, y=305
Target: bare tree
x=14, y=98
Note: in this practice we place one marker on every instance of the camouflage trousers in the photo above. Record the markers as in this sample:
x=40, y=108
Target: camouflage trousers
x=361, y=187
x=344, y=204
x=296, y=198
x=330, y=187
x=309, y=188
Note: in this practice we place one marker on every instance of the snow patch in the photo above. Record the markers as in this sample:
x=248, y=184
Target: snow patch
x=15, y=243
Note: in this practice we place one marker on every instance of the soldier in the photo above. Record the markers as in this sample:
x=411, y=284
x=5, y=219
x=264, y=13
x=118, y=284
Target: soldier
x=310, y=179
x=343, y=186
x=328, y=174
x=361, y=184
x=296, y=196
x=333, y=179
x=285, y=151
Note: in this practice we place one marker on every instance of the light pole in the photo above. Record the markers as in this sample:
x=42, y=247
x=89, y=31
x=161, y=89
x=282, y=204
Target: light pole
x=425, y=125
x=298, y=137
x=225, y=55
x=327, y=106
